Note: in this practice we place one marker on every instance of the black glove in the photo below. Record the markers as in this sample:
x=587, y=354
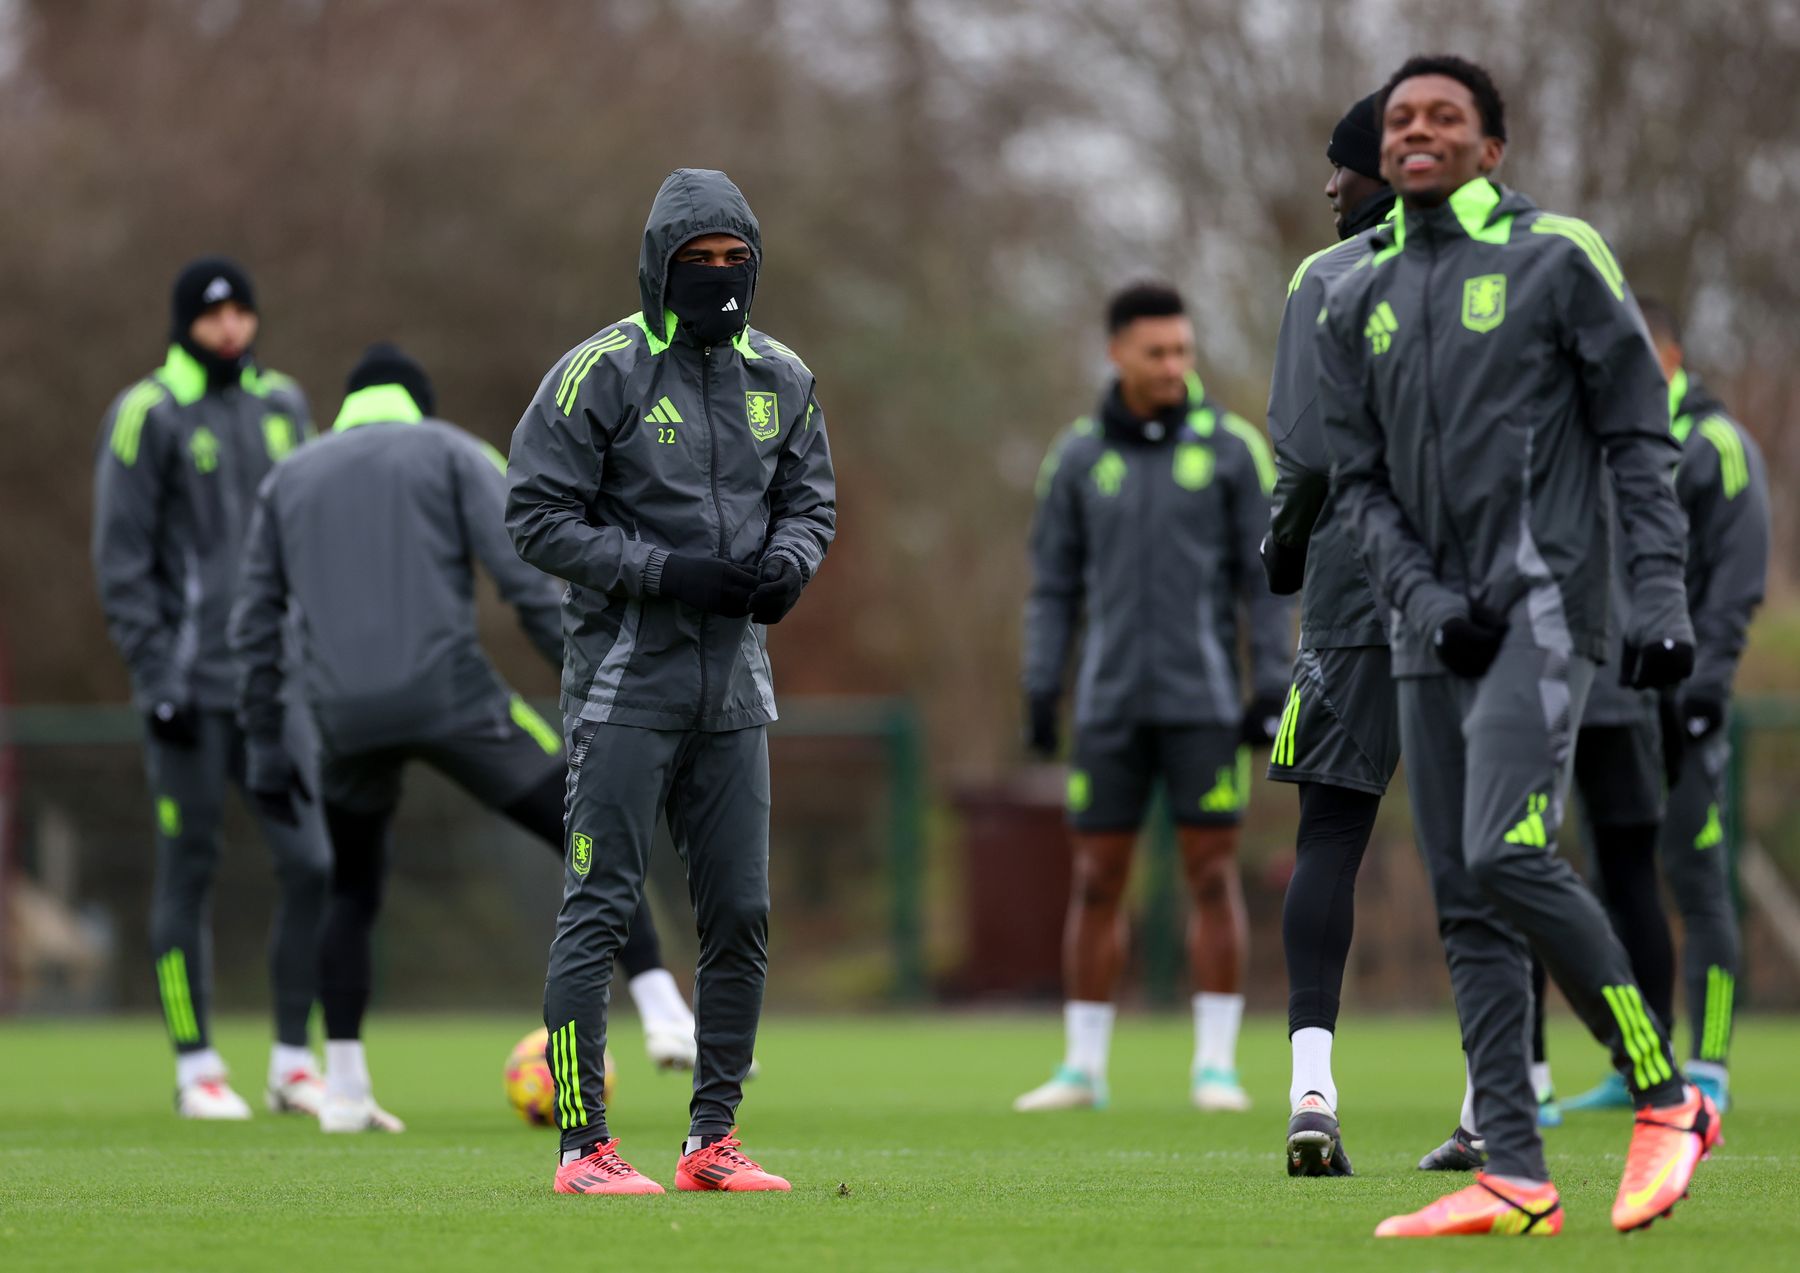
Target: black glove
x=1262, y=721
x=1468, y=645
x=1674, y=736
x=1701, y=716
x=1656, y=665
x=778, y=591
x=1285, y=567
x=177, y=724
x=274, y=781
x=1042, y=734
x=708, y=583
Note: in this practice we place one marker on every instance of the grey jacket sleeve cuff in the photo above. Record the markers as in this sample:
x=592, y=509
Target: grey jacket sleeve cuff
x=650, y=578
x=1432, y=608
x=793, y=555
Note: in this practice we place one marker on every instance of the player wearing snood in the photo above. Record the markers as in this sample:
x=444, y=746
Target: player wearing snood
x=1339, y=737
x=180, y=456
x=370, y=537
x=674, y=470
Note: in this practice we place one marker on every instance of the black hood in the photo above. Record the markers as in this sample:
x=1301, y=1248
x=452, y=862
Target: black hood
x=691, y=202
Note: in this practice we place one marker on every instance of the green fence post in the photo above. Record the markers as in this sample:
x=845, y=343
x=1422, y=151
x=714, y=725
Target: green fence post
x=906, y=851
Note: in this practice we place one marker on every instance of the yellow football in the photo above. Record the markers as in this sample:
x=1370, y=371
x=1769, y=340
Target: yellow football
x=530, y=1085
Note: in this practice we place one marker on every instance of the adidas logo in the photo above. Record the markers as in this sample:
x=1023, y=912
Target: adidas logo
x=1531, y=830
x=729, y=307
x=217, y=290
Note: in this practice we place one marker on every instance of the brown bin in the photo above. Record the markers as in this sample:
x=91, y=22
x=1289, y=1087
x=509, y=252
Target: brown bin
x=1015, y=853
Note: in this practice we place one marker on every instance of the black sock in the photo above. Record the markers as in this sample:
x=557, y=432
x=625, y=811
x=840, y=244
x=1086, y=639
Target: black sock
x=1540, y=982
x=1319, y=913
x=359, y=864
x=1626, y=857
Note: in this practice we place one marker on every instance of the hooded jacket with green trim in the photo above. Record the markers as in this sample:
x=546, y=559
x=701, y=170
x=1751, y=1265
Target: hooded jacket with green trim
x=1482, y=371
x=1723, y=486
x=1337, y=608
x=175, y=478
x=370, y=536
x=1158, y=543
x=639, y=443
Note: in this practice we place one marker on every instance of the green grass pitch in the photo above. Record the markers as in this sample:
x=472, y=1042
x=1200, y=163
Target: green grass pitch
x=895, y=1131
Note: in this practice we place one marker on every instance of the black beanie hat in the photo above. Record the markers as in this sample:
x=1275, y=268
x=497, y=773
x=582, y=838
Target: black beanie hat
x=209, y=281
x=386, y=364
x=1356, y=141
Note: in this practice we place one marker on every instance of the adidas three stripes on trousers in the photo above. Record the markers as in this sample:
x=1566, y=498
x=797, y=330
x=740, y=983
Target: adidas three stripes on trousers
x=1488, y=766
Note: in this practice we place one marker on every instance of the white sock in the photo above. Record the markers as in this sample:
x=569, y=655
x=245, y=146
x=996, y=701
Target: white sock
x=284, y=1060
x=1088, y=1030
x=197, y=1067
x=1706, y=1070
x=1468, y=1106
x=346, y=1070
x=658, y=999
x=1312, y=1066
x=1216, y=1021
x=1540, y=1079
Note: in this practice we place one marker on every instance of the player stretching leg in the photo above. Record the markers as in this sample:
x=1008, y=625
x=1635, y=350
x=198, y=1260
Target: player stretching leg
x=370, y=534
x=175, y=479
x=1149, y=515
x=1339, y=737
x=674, y=470
x=1482, y=378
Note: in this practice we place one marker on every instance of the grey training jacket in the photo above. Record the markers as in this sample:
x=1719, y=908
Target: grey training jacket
x=371, y=534
x=175, y=478
x=640, y=443
x=1158, y=544
x=1724, y=487
x=1482, y=372
x=1337, y=608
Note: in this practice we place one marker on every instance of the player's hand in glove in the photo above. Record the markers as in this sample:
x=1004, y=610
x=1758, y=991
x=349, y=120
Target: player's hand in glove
x=778, y=590
x=1701, y=716
x=708, y=583
x=1262, y=721
x=1468, y=645
x=177, y=724
x=1042, y=735
x=1285, y=567
x=274, y=781
x=1656, y=665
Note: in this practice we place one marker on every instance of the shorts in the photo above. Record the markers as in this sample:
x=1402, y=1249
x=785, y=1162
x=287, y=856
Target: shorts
x=1204, y=770
x=1619, y=773
x=1341, y=726
x=498, y=755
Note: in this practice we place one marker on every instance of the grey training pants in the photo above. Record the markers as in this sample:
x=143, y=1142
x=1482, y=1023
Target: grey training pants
x=1694, y=859
x=1488, y=770
x=714, y=790
x=187, y=786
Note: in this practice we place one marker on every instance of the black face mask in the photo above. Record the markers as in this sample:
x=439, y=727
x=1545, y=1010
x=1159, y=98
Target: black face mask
x=221, y=373
x=712, y=301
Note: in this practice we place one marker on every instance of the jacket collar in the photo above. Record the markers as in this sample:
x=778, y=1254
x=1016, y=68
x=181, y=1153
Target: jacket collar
x=1481, y=210
x=378, y=404
x=1689, y=400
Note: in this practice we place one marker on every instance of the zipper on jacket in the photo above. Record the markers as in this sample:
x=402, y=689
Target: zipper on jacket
x=1431, y=414
x=712, y=478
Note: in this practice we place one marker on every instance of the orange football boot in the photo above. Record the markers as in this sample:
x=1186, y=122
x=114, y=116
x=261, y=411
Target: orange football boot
x=1489, y=1205
x=603, y=1171
x=1666, y=1146
x=720, y=1166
